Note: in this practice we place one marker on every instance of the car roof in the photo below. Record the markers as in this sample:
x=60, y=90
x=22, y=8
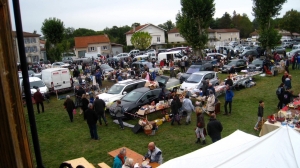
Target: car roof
x=33, y=79
x=54, y=69
x=234, y=60
x=203, y=72
x=130, y=81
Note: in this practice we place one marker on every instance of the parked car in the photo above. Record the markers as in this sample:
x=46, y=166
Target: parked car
x=160, y=51
x=141, y=65
x=238, y=64
x=134, y=100
x=246, y=53
x=120, y=89
x=233, y=43
x=30, y=74
x=256, y=65
x=206, y=66
x=195, y=80
x=279, y=50
x=237, y=49
x=216, y=55
x=106, y=68
x=34, y=83
x=296, y=47
x=133, y=53
x=287, y=44
x=121, y=55
x=292, y=53
x=61, y=65
x=57, y=79
x=167, y=82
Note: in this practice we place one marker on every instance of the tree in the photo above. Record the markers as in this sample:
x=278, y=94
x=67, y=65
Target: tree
x=168, y=25
x=242, y=23
x=135, y=24
x=264, y=11
x=53, y=30
x=291, y=21
x=194, y=20
x=141, y=40
x=225, y=21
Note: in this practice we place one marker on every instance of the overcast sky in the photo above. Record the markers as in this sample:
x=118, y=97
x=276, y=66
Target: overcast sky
x=98, y=14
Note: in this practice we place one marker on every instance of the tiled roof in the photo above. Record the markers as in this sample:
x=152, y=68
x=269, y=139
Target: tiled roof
x=136, y=29
x=82, y=42
x=255, y=33
x=26, y=34
x=174, y=30
x=225, y=30
x=42, y=42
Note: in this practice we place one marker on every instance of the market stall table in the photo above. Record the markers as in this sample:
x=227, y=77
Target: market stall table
x=137, y=158
x=269, y=127
x=80, y=161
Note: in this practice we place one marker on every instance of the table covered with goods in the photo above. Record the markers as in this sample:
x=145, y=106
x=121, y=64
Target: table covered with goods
x=289, y=115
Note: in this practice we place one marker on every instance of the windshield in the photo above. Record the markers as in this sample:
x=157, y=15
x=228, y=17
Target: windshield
x=132, y=96
x=194, y=78
x=36, y=84
x=232, y=63
x=257, y=62
x=115, y=89
x=161, y=80
x=193, y=69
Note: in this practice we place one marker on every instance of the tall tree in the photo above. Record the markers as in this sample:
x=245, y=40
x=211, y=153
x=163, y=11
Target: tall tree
x=53, y=30
x=135, y=24
x=193, y=21
x=264, y=11
x=291, y=21
x=168, y=25
x=141, y=40
x=225, y=21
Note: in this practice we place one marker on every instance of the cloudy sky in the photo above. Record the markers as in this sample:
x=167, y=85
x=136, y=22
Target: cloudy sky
x=98, y=14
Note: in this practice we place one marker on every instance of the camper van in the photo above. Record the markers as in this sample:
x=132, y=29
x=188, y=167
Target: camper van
x=57, y=79
x=173, y=55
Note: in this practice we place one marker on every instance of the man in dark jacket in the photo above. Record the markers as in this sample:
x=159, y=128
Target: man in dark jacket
x=205, y=87
x=69, y=106
x=39, y=98
x=91, y=119
x=229, y=81
x=79, y=91
x=175, y=106
x=214, y=128
x=99, y=106
x=260, y=113
x=228, y=99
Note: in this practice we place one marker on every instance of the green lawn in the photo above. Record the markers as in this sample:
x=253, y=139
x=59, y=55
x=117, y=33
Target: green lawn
x=61, y=140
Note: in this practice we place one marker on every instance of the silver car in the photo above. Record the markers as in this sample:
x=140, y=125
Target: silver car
x=195, y=80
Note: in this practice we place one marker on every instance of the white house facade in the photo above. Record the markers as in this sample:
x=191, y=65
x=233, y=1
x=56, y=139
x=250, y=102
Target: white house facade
x=32, y=46
x=213, y=35
x=157, y=34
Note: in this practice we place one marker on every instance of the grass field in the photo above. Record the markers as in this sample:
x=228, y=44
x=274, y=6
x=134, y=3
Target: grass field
x=61, y=140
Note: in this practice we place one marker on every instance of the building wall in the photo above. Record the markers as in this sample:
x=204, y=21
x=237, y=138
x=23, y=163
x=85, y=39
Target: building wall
x=158, y=35
x=231, y=36
x=32, y=49
x=117, y=50
x=175, y=38
x=102, y=48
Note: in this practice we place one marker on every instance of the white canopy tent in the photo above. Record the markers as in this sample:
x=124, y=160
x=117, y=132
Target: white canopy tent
x=280, y=148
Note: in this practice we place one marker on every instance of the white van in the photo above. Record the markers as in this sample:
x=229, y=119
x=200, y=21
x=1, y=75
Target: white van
x=173, y=55
x=34, y=83
x=57, y=79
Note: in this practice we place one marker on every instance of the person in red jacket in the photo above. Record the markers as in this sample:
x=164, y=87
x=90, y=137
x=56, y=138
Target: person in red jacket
x=39, y=98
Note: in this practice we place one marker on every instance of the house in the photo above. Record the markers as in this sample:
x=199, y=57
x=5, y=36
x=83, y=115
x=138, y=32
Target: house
x=285, y=35
x=213, y=35
x=116, y=48
x=97, y=44
x=43, y=49
x=157, y=34
x=32, y=46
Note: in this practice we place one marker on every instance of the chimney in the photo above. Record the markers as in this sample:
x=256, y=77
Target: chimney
x=133, y=27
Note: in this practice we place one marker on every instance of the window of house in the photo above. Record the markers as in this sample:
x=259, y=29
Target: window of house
x=104, y=47
x=33, y=40
x=92, y=49
x=177, y=35
x=158, y=39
